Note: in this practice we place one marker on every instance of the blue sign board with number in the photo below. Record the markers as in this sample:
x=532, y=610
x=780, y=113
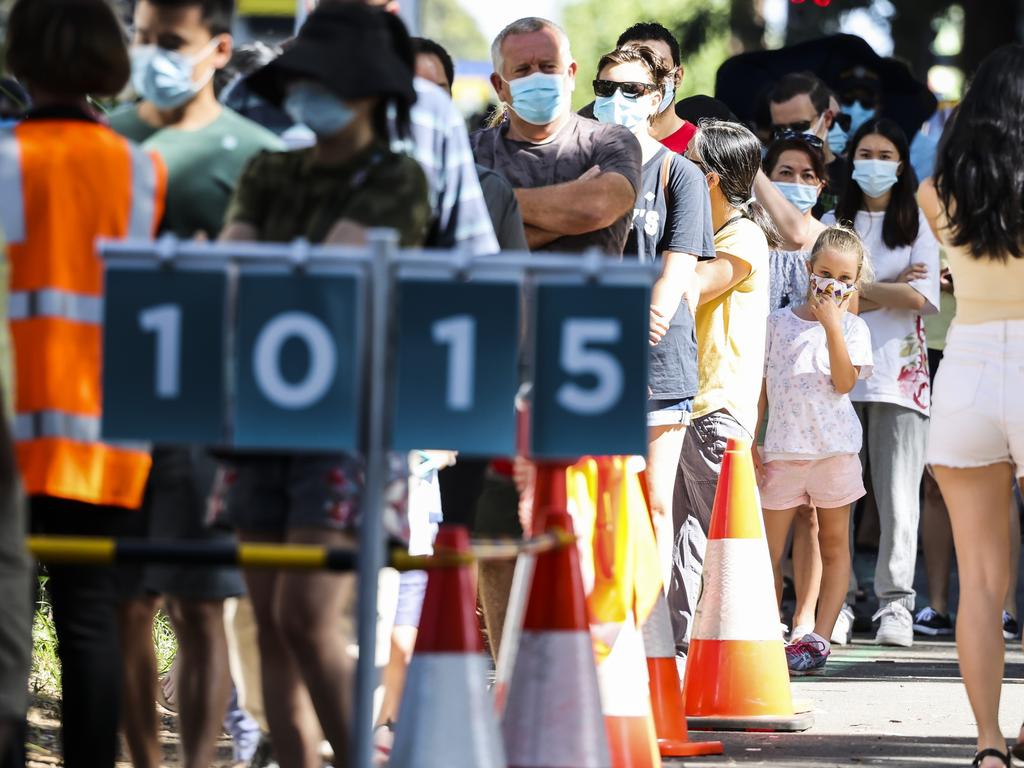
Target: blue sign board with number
x=163, y=364
x=298, y=359
x=456, y=367
x=590, y=370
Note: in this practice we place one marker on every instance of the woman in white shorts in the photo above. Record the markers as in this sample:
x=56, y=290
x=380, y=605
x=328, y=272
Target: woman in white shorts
x=976, y=443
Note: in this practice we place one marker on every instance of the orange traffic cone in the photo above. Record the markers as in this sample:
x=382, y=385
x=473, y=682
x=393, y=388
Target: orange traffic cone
x=736, y=673
x=666, y=694
x=615, y=603
x=446, y=718
x=552, y=710
x=625, y=696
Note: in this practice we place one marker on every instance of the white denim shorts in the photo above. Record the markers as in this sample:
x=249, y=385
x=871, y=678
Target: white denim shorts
x=977, y=415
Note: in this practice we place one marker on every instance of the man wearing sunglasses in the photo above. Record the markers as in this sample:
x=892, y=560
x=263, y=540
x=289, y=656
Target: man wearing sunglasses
x=802, y=106
x=576, y=180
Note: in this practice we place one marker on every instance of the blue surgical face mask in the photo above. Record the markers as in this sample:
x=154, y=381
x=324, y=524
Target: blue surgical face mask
x=315, y=107
x=670, y=96
x=837, y=139
x=875, y=177
x=859, y=114
x=632, y=113
x=541, y=98
x=803, y=196
x=164, y=78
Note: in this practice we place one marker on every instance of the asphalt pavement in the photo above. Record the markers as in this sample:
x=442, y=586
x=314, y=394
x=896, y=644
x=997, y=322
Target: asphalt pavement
x=879, y=706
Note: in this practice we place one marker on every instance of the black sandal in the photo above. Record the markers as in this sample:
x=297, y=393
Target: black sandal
x=991, y=753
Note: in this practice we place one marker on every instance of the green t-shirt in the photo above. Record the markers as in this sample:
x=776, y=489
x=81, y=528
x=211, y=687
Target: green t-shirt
x=286, y=195
x=126, y=121
x=203, y=167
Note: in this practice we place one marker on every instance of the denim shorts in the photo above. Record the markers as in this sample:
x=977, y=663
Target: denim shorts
x=274, y=494
x=669, y=413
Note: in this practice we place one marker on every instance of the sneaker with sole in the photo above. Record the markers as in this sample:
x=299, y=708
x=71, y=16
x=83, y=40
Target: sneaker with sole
x=1011, y=629
x=842, y=632
x=896, y=626
x=930, y=622
x=806, y=656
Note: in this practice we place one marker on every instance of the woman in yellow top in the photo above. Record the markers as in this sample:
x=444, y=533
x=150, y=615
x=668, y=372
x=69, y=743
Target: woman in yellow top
x=976, y=442
x=731, y=321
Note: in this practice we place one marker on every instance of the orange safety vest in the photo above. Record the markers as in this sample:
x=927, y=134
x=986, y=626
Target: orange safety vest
x=64, y=183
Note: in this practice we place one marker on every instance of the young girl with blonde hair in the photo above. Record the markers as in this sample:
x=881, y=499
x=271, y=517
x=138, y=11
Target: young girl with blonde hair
x=814, y=354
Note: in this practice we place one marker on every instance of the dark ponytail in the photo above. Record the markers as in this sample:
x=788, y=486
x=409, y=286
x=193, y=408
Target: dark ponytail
x=734, y=153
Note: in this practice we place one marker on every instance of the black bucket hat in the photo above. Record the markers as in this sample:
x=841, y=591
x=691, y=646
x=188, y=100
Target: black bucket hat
x=351, y=49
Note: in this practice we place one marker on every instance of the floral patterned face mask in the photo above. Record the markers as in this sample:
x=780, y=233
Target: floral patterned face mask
x=829, y=288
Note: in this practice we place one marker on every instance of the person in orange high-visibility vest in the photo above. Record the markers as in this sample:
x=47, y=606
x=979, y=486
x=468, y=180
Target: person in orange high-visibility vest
x=66, y=180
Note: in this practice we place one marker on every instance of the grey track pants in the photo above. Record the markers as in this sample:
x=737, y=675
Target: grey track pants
x=696, y=482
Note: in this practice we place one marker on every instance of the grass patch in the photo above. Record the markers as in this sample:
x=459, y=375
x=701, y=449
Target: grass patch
x=45, y=674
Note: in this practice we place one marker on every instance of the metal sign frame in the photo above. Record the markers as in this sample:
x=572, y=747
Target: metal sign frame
x=382, y=264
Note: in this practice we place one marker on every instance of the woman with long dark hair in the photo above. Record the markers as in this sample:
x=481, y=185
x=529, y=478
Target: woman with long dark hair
x=976, y=442
x=731, y=325
x=893, y=403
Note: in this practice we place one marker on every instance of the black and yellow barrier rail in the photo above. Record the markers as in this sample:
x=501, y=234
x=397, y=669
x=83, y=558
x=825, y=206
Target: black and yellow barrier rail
x=87, y=550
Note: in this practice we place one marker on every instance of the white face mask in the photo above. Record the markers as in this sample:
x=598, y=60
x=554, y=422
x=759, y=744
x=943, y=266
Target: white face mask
x=875, y=177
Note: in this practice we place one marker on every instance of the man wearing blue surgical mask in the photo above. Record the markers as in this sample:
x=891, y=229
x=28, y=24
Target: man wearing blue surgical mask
x=178, y=46
x=576, y=179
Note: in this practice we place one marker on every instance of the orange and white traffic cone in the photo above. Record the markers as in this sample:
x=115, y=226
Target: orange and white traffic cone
x=666, y=690
x=446, y=719
x=625, y=697
x=736, y=673
x=552, y=708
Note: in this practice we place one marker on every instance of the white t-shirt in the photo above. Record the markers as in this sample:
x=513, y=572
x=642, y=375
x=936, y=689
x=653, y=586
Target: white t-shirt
x=807, y=418
x=900, y=350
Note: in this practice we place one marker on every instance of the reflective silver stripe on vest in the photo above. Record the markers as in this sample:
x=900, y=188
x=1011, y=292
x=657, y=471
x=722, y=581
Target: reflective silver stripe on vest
x=141, y=222
x=40, y=424
x=49, y=302
x=12, y=202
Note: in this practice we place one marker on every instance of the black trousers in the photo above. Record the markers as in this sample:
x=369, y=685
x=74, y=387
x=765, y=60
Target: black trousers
x=85, y=601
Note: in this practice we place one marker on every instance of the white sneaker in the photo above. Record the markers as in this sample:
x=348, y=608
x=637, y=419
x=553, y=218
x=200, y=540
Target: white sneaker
x=800, y=631
x=842, y=632
x=896, y=627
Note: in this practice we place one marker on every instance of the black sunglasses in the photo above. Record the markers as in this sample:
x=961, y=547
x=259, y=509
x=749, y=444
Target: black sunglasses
x=808, y=138
x=607, y=88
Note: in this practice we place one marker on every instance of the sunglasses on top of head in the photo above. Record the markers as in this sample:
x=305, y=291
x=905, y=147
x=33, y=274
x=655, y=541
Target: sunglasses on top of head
x=808, y=138
x=607, y=89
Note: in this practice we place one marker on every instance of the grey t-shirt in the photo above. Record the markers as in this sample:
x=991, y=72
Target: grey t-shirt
x=672, y=214
x=576, y=148
x=504, y=209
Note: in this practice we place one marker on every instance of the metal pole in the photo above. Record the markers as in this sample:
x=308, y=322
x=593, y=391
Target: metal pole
x=371, y=530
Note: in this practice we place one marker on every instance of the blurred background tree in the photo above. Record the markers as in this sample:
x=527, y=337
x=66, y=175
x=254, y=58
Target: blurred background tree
x=448, y=23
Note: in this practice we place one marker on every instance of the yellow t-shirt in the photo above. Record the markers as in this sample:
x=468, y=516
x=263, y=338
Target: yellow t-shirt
x=731, y=331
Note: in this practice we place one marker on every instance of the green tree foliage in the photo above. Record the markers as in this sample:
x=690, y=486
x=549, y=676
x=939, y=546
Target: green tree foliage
x=702, y=27
x=448, y=23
